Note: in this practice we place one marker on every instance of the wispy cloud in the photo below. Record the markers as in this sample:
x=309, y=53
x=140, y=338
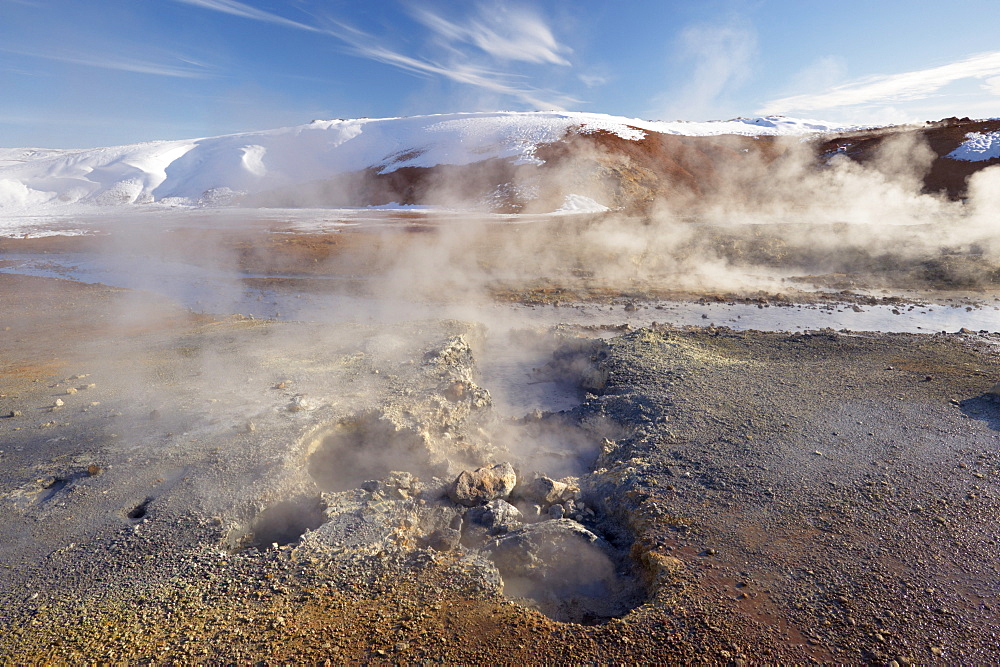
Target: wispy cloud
x=524, y=37
x=186, y=70
x=507, y=33
x=895, y=88
x=243, y=10
x=722, y=57
x=469, y=74
x=593, y=79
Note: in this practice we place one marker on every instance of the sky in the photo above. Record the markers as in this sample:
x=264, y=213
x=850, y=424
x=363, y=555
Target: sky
x=86, y=73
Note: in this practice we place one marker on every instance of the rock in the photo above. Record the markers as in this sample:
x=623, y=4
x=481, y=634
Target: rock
x=545, y=491
x=58, y=404
x=456, y=391
x=557, y=511
x=482, y=485
x=300, y=403
x=444, y=539
x=497, y=517
x=395, y=486
x=70, y=391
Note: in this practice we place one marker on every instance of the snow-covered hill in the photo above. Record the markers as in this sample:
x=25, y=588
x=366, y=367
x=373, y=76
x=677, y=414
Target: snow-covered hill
x=215, y=170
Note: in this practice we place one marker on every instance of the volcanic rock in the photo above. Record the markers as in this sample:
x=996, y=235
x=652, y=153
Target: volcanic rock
x=546, y=491
x=497, y=516
x=482, y=485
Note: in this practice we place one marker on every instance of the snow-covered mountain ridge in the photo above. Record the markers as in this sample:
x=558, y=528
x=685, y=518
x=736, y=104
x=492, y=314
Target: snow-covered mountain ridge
x=501, y=161
x=189, y=171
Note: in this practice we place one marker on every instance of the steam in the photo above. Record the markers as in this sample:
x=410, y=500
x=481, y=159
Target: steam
x=768, y=215
x=197, y=395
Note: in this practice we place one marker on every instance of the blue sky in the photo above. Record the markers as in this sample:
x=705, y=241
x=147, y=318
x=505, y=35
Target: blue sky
x=82, y=73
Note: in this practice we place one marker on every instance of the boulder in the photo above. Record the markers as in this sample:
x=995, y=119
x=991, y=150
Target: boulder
x=545, y=491
x=497, y=516
x=444, y=539
x=478, y=487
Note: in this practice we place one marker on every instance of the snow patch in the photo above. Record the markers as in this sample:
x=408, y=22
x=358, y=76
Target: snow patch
x=14, y=195
x=978, y=147
x=253, y=160
x=581, y=204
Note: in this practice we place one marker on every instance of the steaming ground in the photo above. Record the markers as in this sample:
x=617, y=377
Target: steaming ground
x=724, y=492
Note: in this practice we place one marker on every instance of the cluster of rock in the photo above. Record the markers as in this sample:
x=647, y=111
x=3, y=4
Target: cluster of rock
x=497, y=505
x=535, y=534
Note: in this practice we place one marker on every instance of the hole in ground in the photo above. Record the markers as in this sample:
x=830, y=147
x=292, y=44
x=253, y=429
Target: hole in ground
x=284, y=523
x=567, y=572
x=139, y=511
x=53, y=488
x=363, y=448
x=557, y=444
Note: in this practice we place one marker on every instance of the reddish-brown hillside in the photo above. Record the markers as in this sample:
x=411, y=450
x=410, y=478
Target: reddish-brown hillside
x=633, y=175
x=945, y=175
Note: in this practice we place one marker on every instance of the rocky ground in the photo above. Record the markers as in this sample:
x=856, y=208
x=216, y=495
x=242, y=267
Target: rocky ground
x=180, y=487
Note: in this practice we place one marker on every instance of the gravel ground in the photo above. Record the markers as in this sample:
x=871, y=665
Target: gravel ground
x=760, y=496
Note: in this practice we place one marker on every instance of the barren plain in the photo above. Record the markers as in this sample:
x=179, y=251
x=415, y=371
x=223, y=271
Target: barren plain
x=185, y=484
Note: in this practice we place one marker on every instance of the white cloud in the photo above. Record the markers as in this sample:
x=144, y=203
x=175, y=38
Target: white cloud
x=723, y=56
x=593, y=80
x=187, y=70
x=502, y=32
x=891, y=89
x=243, y=10
x=520, y=36
x=992, y=85
x=467, y=74
x=821, y=74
